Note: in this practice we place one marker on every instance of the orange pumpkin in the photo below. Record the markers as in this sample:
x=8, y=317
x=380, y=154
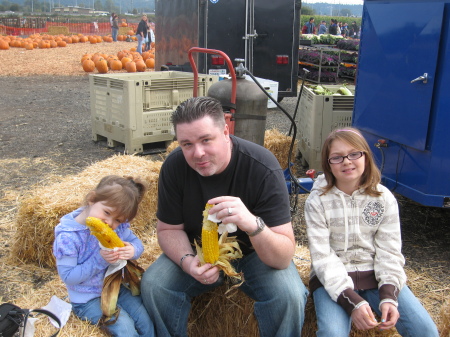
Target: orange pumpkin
x=150, y=62
x=140, y=66
x=88, y=65
x=62, y=43
x=116, y=65
x=4, y=45
x=124, y=61
x=131, y=67
x=102, y=66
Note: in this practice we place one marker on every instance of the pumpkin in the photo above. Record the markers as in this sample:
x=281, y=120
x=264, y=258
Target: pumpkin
x=131, y=67
x=62, y=43
x=150, y=62
x=88, y=65
x=140, y=66
x=86, y=57
x=125, y=60
x=116, y=65
x=102, y=66
x=4, y=45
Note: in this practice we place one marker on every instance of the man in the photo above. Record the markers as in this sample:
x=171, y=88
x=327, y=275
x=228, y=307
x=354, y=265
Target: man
x=115, y=27
x=111, y=18
x=245, y=183
x=141, y=33
x=323, y=28
x=333, y=27
x=310, y=26
x=354, y=30
x=344, y=30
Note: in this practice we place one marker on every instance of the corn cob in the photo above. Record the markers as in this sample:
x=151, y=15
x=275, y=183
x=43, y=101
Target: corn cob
x=218, y=252
x=210, y=238
x=105, y=235
x=129, y=276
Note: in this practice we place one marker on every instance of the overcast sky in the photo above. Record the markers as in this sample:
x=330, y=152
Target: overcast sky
x=342, y=2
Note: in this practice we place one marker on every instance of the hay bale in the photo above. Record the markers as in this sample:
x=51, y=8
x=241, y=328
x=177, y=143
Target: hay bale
x=444, y=321
x=40, y=211
x=279, y=144
x=56, y=30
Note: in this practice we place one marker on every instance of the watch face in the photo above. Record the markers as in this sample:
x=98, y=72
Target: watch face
x=214, y=1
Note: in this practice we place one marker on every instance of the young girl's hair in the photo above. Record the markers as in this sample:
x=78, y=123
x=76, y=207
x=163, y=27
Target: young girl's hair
x=371, y=176
x=122, y=193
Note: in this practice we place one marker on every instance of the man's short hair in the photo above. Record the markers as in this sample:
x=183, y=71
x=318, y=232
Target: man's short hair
x=196, y=108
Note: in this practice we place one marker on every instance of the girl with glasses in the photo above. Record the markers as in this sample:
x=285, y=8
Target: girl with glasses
x=353, y=229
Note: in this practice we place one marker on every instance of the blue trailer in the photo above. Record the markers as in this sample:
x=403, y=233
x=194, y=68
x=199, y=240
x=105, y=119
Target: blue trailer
x=402, y=101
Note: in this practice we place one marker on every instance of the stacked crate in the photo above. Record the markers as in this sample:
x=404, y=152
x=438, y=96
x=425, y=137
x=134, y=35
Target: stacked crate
x=134, y=109
x=318, y=115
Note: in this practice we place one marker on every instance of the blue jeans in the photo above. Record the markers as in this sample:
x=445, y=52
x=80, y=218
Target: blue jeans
x=140, y=40
x=115, y=31
x=133, y=320
x=333, y=320
x=279, y=294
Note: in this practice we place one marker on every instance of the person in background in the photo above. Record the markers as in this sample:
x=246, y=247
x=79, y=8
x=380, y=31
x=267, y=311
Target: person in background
x=354, y=30
x=333, y=27
x=310, y=26
x=344, y=29
x=141, y=33
x=150, y=37
x=115, y=27
x=353, y=228
x=246, y=185
x=82, y=263
x=338, y=28
x=323, y=28
x=111, y=18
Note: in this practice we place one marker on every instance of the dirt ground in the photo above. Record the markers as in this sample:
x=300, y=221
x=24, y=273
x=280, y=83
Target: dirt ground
x=46, y=133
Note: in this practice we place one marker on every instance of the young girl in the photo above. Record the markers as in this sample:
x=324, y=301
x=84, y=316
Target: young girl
x=82, y=264
x=353, y=231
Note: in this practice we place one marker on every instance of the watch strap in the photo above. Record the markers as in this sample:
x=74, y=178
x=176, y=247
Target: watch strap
x=260, y=223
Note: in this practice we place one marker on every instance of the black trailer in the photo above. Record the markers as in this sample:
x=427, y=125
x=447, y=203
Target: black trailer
x=263, y=32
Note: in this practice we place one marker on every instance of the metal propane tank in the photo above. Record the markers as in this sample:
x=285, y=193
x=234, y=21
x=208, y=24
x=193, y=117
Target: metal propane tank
x=251, y=105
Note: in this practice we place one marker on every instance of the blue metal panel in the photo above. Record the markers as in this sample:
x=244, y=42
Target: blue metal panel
x=413, y=118
x=400, y=42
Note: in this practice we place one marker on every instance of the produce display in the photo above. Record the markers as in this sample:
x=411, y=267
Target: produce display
x=322, y=39
x=322, y=90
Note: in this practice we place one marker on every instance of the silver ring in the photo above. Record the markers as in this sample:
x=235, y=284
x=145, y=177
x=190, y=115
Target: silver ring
x=230, y=211
x=205, y=280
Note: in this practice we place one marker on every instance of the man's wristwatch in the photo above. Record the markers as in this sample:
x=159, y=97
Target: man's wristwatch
x=260, y=223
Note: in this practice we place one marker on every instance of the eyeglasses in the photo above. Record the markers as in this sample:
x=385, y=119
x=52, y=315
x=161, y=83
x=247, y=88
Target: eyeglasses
x=350, y=156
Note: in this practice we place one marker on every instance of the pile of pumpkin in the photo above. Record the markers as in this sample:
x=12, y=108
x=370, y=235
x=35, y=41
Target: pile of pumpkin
x=49, y=41
x=130, y=60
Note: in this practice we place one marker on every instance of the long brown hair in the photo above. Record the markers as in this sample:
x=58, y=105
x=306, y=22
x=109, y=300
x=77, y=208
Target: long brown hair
x=122, y=193
x=352, y=136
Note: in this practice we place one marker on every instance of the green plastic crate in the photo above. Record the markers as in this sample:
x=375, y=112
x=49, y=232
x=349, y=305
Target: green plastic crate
x=134, y=109
x=318, y=115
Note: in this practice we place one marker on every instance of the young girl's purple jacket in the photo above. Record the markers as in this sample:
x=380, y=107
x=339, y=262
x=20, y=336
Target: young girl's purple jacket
x=78, y=259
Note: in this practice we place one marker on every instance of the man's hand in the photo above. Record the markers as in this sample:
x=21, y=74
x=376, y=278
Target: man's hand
x=206, y=274
x=232, y=210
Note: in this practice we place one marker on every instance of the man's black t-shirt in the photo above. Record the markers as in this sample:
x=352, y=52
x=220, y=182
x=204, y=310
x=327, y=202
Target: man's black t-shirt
x=253, y=174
